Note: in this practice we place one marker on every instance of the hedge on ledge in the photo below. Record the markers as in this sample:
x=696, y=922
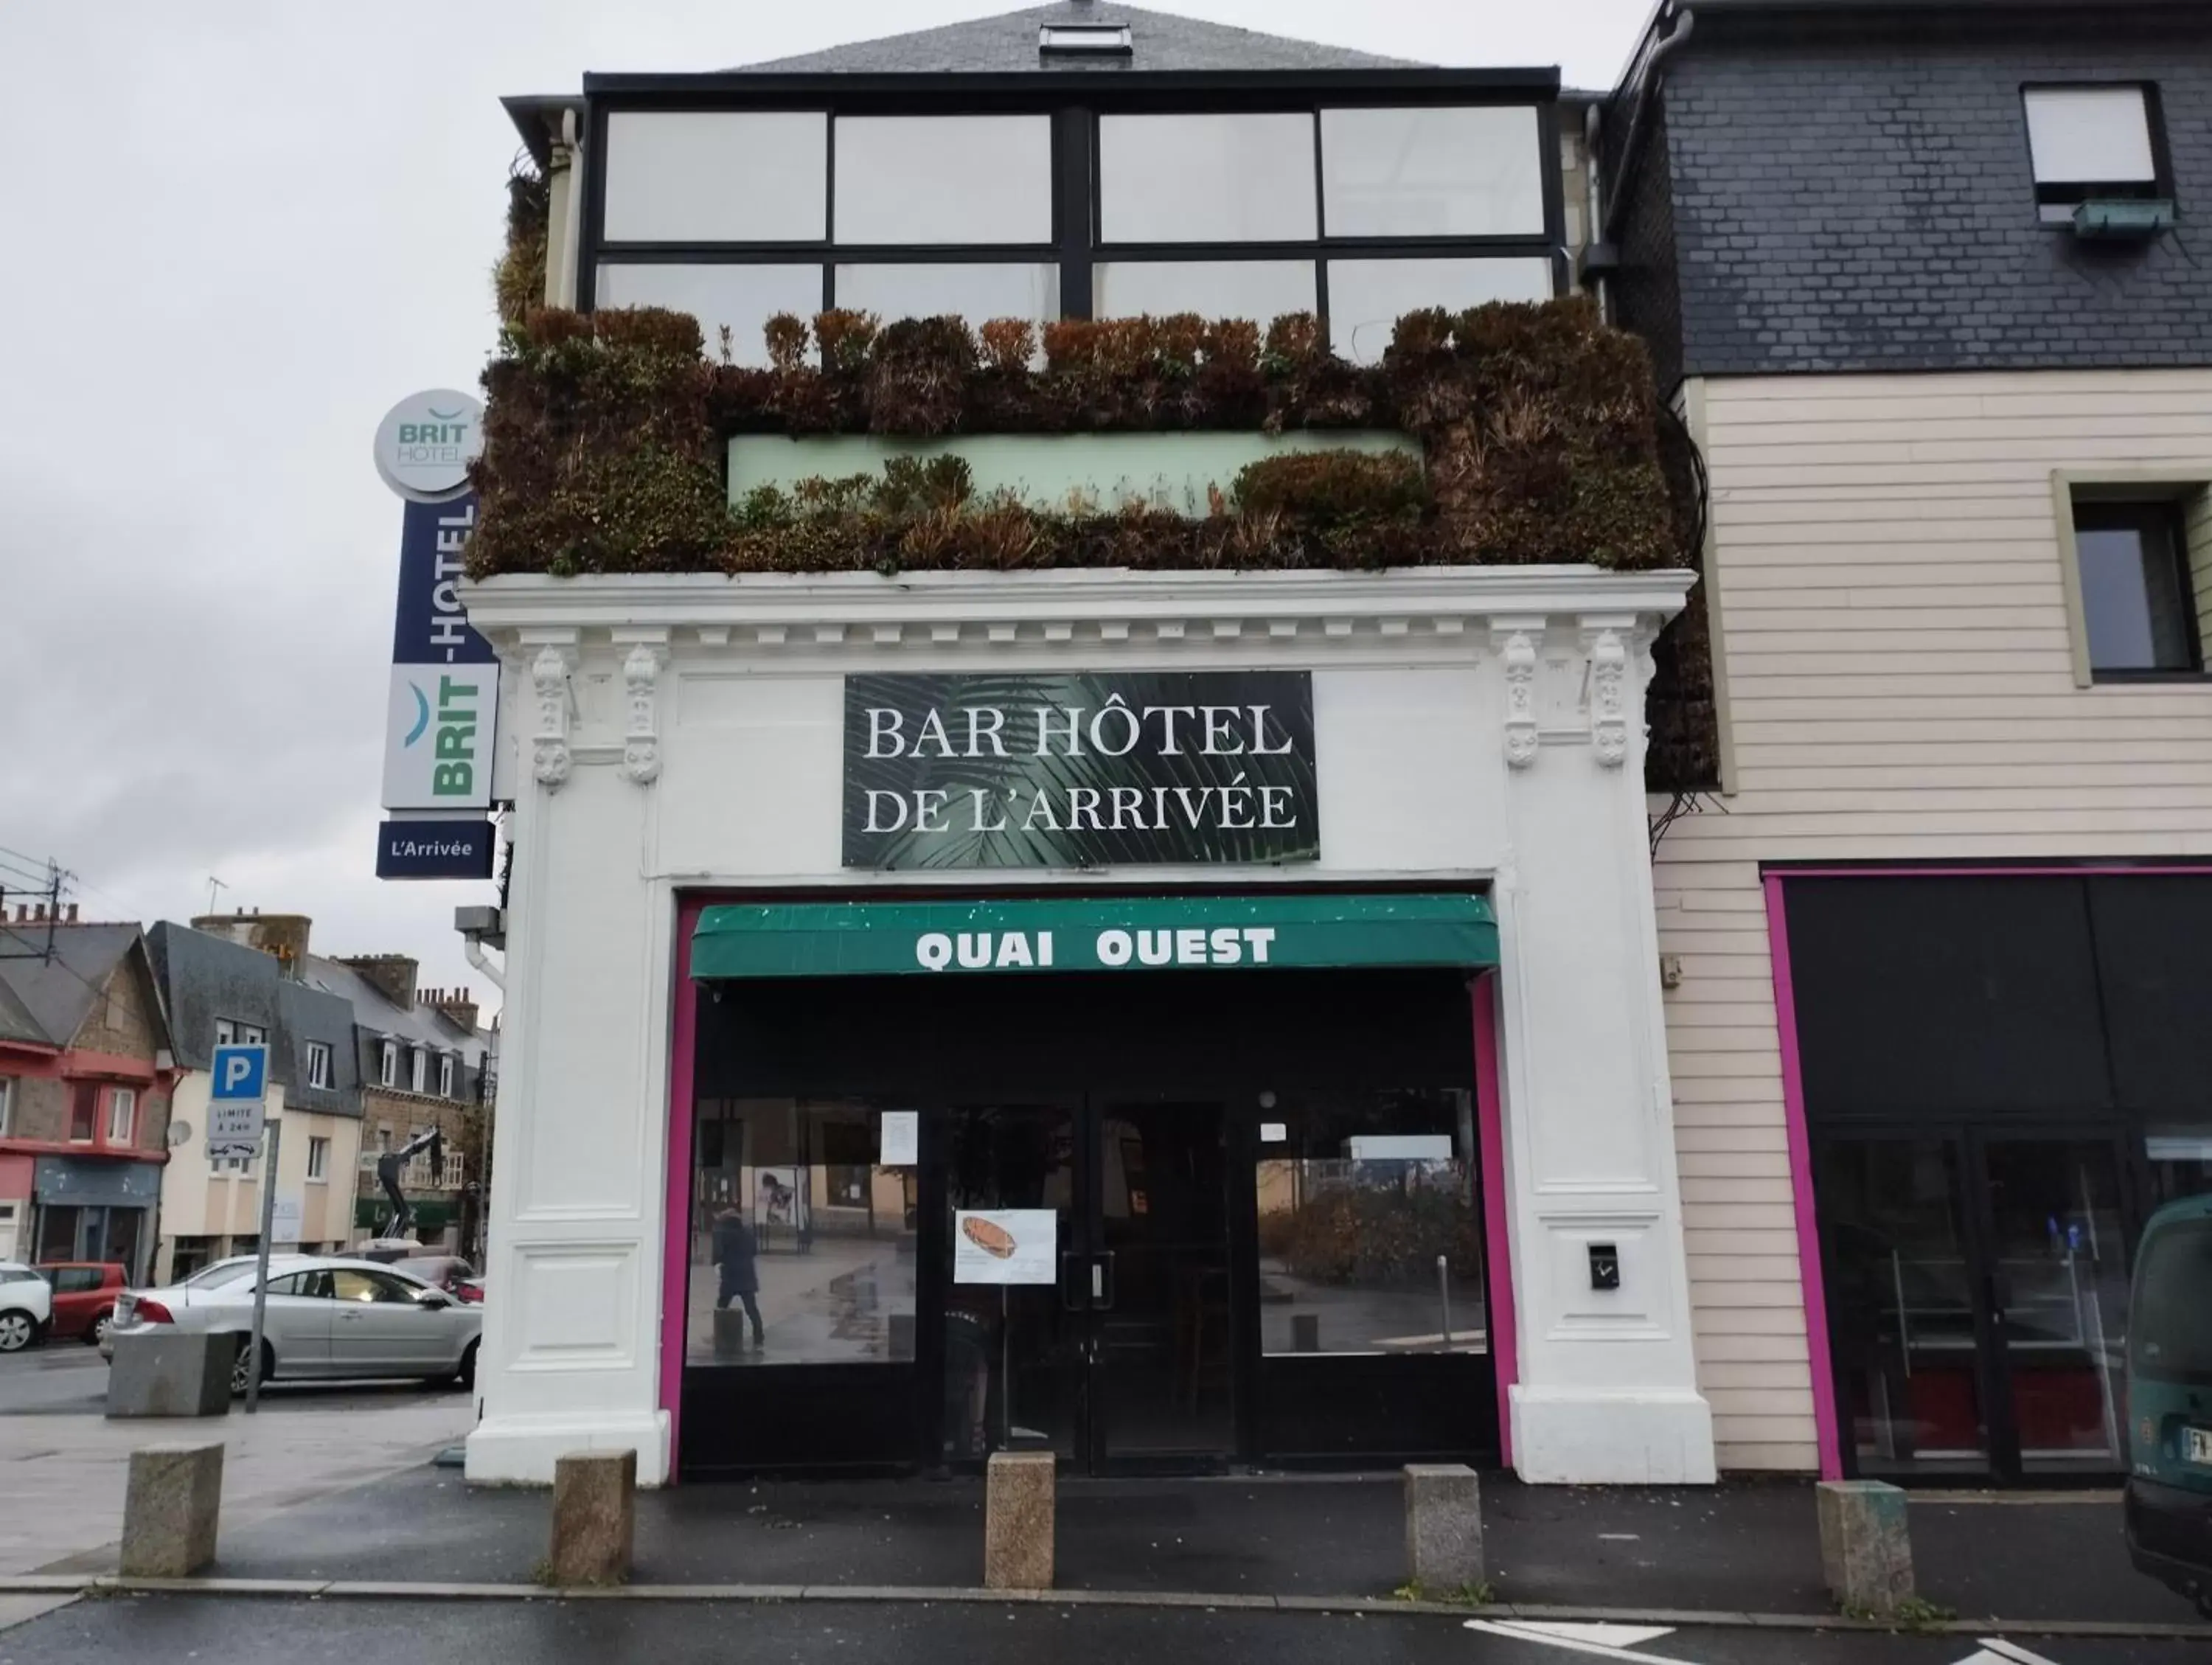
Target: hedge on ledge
x=604, y=443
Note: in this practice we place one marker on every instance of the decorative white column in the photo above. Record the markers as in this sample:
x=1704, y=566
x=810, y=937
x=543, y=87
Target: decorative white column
x=1608, y=1391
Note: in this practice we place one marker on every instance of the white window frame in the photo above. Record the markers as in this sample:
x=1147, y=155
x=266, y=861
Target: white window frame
x=2084, y=118
x=454, y=1174
x=318, y=1157
x=122, y=1106
x=445, y=1075
x=318, y=1064
x=421, y=1069
x=388, y=1065
x=7, y=1103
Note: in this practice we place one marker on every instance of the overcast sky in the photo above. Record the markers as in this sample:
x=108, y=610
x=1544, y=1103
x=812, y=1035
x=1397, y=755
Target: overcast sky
x=236, y=235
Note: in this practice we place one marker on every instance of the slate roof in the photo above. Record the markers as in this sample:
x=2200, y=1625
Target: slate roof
x=1162, y=41
x=379, y=1016
x=205, y=977
x=46, y=1001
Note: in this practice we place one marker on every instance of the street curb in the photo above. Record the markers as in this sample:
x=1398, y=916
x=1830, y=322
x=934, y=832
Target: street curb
x=927, y=1595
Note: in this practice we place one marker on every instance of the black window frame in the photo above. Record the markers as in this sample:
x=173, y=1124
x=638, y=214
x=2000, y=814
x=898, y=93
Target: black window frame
x=2072, y=193
x=1074, y=101
x=2168, y=515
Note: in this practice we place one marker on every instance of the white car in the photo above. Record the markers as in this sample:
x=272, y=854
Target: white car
x=27, y=1306
x=326, y=1316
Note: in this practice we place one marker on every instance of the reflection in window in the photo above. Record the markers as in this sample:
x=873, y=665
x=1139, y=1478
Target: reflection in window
x=742, y=298
x=1262, y=290
x=1370, y=1240
x=802, y=1247
x=943, y=179
x=1366, y=298
x=1441, y=172
x=1207, y=179
x=974, y=291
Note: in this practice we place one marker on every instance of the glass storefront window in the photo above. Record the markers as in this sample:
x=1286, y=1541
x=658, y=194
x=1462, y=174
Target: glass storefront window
x=1474, y=172
x=1369, y=1239
x=1366, y=298
x=974, y=290
x=713, y=176
x=1262, y=290
x=1207, y=179
x=802, y=1245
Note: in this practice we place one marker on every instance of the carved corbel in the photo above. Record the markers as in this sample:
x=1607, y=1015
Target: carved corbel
x=1608, y=696
x=1515, y=643
x=549, y=748
x=642, y=733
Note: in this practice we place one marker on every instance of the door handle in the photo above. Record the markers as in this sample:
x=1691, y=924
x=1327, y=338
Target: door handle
x=1102, y=1281
x=1098, y=1280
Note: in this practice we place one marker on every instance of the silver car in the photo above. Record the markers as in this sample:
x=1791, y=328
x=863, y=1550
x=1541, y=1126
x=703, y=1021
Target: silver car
x=27, y=1306
x=326, y=1317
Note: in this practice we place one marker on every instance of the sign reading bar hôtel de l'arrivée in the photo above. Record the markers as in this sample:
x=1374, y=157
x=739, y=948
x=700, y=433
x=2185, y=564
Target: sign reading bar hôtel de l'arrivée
x=1082, y=770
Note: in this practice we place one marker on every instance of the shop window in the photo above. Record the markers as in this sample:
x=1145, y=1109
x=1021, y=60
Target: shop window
x=122, y=1115
x=1207, y=179
x=2139, y=598
x=318, y=1158
x=943, y=179
x=701, y=176
x=802, y=1245
x=2091, y=144
x=84, y=1111
x=1369, y=1237
x=1474, y=171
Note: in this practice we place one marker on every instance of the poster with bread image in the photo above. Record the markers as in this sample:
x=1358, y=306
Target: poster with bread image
x=1005, y=1246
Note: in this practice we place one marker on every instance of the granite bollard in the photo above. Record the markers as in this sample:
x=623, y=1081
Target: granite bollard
x=171, y=1508
x=594, y=1517
x=170, y=1372
x=1866, y=1546
x=1443, y=1527
x=1018, y=1521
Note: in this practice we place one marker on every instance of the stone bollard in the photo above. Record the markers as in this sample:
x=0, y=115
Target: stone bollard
x=170, y=1372
x=1443, y=1527
x=594, y=1517
x=1018, y=1521
x=1866, y=1546
x=171, y=1509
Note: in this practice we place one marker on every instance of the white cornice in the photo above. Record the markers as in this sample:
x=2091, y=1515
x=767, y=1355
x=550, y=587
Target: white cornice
x=863, y=609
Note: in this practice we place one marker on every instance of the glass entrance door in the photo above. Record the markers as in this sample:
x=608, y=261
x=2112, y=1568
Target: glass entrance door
x=1124, y=1360
x=1977, y=1291
x=2057, y=1286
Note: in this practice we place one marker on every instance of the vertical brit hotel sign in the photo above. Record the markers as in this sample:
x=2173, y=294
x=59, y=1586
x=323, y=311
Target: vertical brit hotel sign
x=444, y=696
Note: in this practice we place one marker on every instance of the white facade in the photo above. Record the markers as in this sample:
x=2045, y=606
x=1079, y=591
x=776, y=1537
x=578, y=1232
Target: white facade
x=199, y=1201
x=1473, y=728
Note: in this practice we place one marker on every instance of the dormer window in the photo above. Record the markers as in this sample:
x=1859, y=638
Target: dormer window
x=1085, y=40
x=2092, y=143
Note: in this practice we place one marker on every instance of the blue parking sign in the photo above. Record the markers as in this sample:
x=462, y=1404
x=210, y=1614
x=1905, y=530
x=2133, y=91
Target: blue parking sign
x=241, y=1072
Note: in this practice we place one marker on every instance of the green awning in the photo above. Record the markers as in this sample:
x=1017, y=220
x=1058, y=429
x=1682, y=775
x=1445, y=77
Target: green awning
x=1090, y=933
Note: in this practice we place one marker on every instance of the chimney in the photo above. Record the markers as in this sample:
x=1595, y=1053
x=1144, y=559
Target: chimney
x=282, y=936
x=393, y=975
x=72, y=913
x=456, y=1004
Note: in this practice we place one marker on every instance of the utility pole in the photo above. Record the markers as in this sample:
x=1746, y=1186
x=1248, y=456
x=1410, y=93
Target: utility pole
x=275, y=1128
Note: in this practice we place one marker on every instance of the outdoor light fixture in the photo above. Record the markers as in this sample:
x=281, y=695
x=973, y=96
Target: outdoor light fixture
x=1087, y=39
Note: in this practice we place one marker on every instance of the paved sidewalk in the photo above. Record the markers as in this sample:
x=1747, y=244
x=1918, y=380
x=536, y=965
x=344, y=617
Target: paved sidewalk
x=63, y=1467
x=1739, y=1548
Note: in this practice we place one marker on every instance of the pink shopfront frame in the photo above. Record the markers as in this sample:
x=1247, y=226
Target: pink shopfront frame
x=676, y=1269
x=1828, y=1425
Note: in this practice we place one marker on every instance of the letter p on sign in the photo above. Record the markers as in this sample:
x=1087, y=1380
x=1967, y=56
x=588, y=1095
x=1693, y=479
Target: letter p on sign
x=239, y=1072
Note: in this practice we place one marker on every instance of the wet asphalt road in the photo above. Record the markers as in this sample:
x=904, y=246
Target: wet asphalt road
x=251, y=1631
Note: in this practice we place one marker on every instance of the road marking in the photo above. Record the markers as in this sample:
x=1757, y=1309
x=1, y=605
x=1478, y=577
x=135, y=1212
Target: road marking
x=1618, y=1537
x=2010, y=1653
x=1548, y=1636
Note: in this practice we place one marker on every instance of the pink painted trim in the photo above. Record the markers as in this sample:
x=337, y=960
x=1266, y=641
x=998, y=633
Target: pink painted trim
x=1489, y=1133
x=1995, y=870
x=676, y=1257
x=1825, y=1427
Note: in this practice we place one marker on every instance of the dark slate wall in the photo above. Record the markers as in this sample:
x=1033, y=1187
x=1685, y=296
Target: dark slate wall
x=1859, y=197
x=1647, y=295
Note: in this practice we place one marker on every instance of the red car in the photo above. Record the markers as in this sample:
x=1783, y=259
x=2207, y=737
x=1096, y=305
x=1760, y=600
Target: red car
x=84, y=1295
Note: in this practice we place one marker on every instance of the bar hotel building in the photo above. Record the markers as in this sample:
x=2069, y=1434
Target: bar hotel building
x=1188, y=1016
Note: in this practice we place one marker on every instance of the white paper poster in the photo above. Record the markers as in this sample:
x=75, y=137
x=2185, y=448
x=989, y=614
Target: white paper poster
x=1005, y=1246
x=902, y=1140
